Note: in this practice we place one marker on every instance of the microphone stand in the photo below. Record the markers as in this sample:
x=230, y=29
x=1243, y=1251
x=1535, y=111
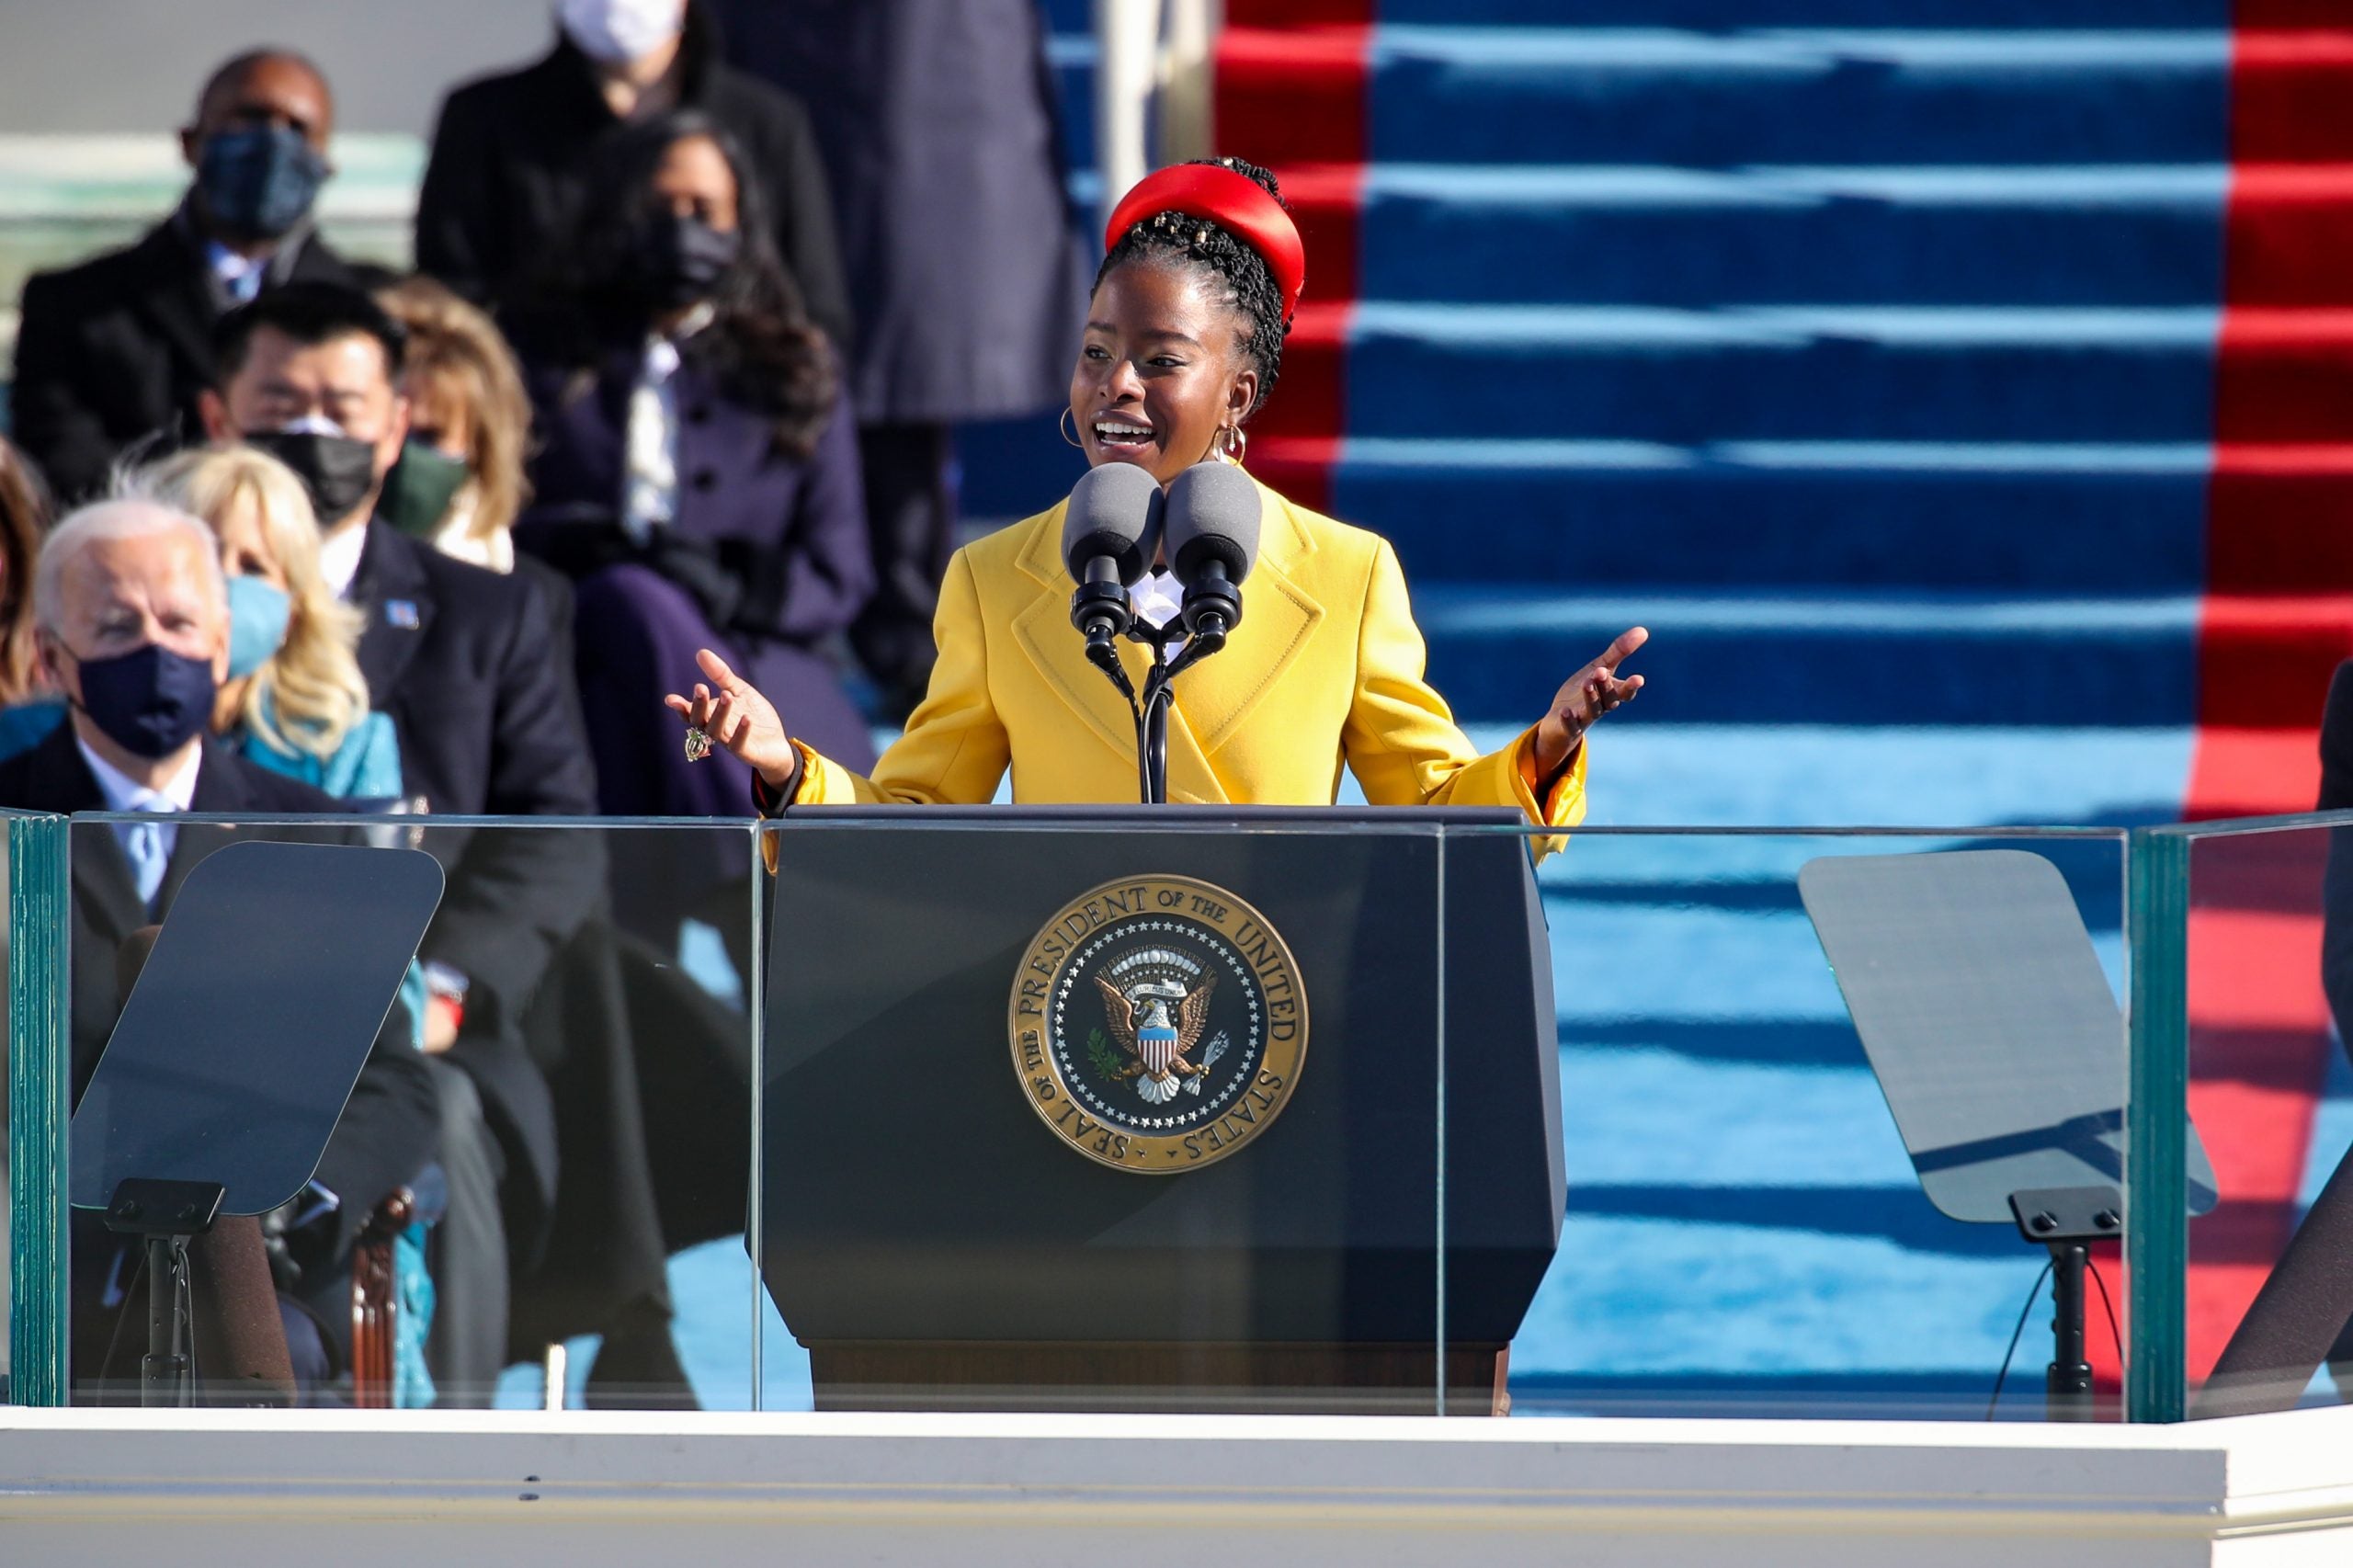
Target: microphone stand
x=1151, y=709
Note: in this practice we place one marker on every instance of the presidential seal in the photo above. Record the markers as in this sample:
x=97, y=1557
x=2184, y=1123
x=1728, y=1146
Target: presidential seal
x=1158, y=1024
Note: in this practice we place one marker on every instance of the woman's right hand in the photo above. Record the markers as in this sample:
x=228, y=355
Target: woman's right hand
x=738, y=718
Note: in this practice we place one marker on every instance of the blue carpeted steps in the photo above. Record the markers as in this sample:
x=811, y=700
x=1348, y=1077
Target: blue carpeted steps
x=1781, y=372
x=1873, y=372
x=1604, y=234
x=2005, y=516
x=1778, y=94
x=1826, y=657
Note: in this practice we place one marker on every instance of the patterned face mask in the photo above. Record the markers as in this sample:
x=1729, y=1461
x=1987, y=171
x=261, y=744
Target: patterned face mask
x=259, y=180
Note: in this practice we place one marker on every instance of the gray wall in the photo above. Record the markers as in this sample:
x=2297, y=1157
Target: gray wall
x=131, y=65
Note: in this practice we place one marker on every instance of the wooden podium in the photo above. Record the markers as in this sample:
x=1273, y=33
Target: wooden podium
x=985, y=1187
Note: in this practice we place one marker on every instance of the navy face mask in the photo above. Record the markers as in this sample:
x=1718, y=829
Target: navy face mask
x=150, y=702
x=259, y=180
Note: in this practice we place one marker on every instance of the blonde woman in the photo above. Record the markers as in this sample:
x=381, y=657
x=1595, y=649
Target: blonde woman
x=460, y=481
x=295, y=699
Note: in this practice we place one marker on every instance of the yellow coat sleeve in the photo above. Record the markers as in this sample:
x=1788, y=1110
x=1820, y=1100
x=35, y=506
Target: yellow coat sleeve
x=1402, y=740
x=954, y=750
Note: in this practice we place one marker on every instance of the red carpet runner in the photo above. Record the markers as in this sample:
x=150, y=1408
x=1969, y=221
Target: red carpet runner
x=2278, y=618
x=1291, y=96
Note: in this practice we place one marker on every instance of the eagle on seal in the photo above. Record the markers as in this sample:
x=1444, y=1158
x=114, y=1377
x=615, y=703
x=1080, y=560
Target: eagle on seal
x=1158, y=1024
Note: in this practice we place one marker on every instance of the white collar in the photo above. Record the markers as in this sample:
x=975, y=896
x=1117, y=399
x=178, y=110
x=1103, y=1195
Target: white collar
x=1159, y=599
x=125, y=793
x=339, y=556
x=230, y=266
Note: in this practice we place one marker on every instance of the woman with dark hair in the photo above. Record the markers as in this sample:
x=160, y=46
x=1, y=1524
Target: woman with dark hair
x=1183, y=343
x=697, y=474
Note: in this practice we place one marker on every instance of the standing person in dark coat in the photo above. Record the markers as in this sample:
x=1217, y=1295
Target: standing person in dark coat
x=511, y=152
x=938, y=123
x=697, y=474
x=114, y=352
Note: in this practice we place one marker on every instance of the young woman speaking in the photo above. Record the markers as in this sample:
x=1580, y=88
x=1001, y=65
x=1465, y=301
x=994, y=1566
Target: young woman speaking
x=1183, y=344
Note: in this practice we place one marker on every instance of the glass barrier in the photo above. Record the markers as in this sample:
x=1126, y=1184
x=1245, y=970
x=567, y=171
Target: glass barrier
x=1064, y=1111
x=1234, y=1111
x=2249, y=958
x=32, y=1294
x=1801, y=1074
x=536, y=1192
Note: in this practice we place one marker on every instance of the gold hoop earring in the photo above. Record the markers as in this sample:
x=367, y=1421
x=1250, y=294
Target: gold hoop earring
x=1232, y=444
x=1064, y=426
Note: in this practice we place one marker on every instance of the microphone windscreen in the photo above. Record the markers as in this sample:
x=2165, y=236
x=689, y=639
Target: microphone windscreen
x=1213, y=513
x=1114, y=511
x=240, y=1338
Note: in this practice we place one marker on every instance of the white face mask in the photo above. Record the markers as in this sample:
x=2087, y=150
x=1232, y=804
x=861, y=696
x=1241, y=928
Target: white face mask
x=612, y=32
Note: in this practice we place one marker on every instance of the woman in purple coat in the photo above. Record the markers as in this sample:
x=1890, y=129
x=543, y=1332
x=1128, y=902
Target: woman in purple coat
x=698, y=470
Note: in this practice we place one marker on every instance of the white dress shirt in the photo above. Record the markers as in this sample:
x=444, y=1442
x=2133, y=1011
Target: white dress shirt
x=650, y=445
x=240, y=277
x=1158, y=599
x=339, y=556
x=148, y=845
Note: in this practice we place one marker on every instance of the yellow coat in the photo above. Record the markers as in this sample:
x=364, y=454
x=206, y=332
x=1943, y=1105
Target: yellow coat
x=1325, y=669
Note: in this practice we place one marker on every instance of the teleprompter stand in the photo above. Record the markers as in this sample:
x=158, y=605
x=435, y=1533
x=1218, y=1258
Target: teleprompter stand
x=2067, y=1220
x=165, y=1215
x=235, y=1051
x=1990, y=1025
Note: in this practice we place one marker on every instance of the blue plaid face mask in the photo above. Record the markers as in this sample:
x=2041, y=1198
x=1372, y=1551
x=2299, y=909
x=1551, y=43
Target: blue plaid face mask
x=259, y=180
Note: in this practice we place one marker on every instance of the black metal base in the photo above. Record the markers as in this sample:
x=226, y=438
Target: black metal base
x=2064, y=1220
x=165, y=1214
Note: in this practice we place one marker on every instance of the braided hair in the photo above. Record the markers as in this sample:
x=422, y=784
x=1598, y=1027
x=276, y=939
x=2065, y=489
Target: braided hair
x=1216, y=254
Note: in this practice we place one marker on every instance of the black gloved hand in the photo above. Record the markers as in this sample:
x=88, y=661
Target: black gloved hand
x=696, y=567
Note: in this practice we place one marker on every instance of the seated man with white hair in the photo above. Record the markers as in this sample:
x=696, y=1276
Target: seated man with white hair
x=133, y=623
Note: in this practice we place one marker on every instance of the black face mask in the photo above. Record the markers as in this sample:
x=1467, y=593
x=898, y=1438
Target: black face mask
x=339, y=471
x=150, y=702
x=675, y=261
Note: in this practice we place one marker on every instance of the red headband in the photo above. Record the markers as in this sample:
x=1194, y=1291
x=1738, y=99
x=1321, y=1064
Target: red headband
x=1232, y=201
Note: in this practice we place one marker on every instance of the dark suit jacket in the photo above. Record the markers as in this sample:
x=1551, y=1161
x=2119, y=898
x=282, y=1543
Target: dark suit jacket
x=114, y=352
x=465, y=663
x=388, y=1129
x=508, y=172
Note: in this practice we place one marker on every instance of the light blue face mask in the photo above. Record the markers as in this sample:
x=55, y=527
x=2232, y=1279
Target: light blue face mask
x=257, y=615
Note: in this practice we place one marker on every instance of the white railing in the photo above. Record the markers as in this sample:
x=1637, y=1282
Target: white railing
x=1148, y=51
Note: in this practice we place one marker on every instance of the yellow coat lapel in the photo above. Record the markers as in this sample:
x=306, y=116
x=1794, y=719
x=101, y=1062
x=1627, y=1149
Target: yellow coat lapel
x=1278, y=616
x=1214, y=697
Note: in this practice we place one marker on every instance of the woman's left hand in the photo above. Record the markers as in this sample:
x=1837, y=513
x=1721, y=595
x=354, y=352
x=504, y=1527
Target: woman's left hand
x=1588, y=694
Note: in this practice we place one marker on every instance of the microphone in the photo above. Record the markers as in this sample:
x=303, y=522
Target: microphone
x=1212, y=522
x=1109, y=535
